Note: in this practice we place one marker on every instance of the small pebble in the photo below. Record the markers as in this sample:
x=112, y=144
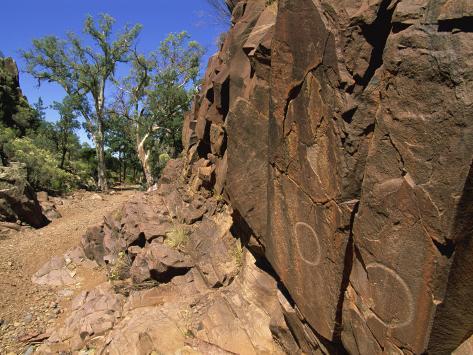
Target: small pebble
x=28, y=318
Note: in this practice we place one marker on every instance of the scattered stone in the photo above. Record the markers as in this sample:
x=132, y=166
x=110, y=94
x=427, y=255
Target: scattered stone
x=54, y=273
x=96, y=197
x=28, y=318
x=65, y=293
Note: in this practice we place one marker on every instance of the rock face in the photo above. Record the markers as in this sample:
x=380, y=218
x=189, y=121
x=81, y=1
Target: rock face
x=341, y=135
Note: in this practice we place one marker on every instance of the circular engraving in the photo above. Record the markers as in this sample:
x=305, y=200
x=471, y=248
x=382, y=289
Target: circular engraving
x=308, y=244
x=393, y=304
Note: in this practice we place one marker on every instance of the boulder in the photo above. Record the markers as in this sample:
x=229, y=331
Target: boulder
x=55, y=273
x=42, y=196
x=50, y=210
x=159, y=262
x=17, y=199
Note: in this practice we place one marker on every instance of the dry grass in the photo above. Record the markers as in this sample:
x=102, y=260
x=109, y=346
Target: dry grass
x=120, y=270
x=176, y=237
x=238, y=254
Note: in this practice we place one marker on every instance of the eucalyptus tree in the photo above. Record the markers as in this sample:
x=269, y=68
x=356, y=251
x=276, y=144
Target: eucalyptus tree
x=156, y=94
x=84, y=70
x=65, y=127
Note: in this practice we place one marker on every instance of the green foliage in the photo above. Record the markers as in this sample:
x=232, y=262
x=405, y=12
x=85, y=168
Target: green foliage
x=42, y=167
x=155, y=95
x=84, y=71
x=164, y=158
x=136, y=134
x=174, y=86
x=65, y=127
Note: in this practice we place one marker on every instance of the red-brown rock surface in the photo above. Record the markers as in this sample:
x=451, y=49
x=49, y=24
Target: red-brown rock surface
x=18, y=203
x=341, y=135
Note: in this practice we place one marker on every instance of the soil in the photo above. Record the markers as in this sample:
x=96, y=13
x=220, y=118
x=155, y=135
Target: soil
x=27, y=310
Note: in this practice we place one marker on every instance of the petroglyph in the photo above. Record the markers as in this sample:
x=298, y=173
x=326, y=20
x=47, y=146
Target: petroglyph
x=393, y=304
x=312, y=154
x=308, y=244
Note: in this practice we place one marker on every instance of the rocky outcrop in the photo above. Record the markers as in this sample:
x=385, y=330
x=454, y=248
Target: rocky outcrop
x=179, y=282
x=16, y=115
x=340, y=134
x=18, y=201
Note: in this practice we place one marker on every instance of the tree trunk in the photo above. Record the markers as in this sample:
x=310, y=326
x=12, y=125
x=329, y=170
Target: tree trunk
x=3, y=157
x=143, y=156
x=119, y=168
x=99, y=140
x=63, y=158
x=124, y=170
x=100, y=149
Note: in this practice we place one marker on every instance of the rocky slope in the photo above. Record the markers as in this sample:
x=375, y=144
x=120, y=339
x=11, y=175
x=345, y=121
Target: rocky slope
x=178, y=282
x=333, y=140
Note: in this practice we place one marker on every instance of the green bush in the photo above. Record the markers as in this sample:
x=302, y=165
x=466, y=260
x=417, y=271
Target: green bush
x=41, y=165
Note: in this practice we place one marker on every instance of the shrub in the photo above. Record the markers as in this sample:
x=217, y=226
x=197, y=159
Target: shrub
x=176, y=237
x=120, y=270
x=164, y=158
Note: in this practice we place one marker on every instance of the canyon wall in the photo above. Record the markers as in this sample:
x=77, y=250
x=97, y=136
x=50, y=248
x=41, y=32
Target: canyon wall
x=340, y=132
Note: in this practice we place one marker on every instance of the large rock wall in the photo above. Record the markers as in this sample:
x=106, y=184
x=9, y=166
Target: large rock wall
x=341, y=134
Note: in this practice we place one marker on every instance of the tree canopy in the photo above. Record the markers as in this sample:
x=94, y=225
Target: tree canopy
x=134, y=119
x=155, y=95
x=84, y=71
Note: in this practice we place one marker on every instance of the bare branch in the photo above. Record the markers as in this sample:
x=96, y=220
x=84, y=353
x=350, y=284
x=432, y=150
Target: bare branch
x=222, y=9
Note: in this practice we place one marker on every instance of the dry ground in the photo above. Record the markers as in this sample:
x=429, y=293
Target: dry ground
x=26, y=309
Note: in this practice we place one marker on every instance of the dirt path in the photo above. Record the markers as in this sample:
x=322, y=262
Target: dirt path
x=26, y=309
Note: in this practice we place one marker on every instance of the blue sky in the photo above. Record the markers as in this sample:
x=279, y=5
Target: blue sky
x=24, y=20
